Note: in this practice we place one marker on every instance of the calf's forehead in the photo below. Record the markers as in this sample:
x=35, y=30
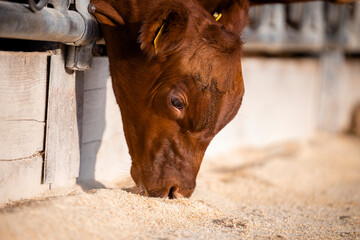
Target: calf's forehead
x=207, y=64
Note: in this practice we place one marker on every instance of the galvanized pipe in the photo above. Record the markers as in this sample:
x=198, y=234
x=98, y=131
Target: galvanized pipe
x=19, y=22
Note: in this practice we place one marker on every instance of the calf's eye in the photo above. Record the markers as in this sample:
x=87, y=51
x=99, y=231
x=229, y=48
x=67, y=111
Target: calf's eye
x=177, y=103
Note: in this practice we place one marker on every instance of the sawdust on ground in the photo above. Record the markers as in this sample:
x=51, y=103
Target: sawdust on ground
x=291, y=190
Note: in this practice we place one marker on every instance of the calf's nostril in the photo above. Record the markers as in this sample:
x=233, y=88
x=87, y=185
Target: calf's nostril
x=171, y=193
x=174, y=193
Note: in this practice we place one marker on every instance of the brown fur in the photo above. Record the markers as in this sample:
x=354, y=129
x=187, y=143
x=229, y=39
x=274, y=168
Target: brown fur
x=175, y=98
x=197, y=63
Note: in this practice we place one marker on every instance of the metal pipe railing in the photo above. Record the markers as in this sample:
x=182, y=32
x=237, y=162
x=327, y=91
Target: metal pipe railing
x=57, y=24
x=69, y=27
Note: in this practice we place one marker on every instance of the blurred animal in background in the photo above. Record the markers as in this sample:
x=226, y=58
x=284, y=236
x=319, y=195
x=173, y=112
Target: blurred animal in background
x=176, y=73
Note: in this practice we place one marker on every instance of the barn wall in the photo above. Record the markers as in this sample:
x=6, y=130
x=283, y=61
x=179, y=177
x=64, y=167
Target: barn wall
x=340, y=91
x=280, y=103
x=285, y=99
x=104, y=154
x=23, y=89
x=39, y=128
x=291, y=99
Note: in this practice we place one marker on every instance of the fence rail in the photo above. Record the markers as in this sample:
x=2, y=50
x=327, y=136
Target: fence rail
x=57, y=24
x=274, y=28
x=304, y=27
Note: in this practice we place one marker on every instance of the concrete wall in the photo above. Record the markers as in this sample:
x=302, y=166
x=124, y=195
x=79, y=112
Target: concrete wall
x=340, y=91
x=280, y=103
x=285, y=99
x=291, y=99
x=104, y=154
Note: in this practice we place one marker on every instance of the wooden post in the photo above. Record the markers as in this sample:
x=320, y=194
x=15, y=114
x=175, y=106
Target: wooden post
x=62, y=151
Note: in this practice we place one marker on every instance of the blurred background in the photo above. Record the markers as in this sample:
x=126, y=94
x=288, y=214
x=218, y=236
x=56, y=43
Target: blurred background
x=301, y=69
x=302, y=73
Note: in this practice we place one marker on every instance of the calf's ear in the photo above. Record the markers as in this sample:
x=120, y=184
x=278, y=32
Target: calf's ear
x=234, y=15
x=163, y=29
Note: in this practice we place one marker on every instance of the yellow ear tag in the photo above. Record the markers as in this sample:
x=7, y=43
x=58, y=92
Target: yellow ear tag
x=157, y=37
x=217, y=16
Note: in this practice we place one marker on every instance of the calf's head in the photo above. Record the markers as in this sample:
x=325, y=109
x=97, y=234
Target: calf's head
x=177, y=77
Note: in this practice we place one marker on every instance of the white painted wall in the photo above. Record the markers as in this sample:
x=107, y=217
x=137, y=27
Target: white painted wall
x=104, y=153
x=340, y=91
x=280, y=103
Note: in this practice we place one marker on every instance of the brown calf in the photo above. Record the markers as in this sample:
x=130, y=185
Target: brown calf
x=176, y=73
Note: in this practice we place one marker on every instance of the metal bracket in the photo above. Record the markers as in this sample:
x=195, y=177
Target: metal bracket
x=80, y=58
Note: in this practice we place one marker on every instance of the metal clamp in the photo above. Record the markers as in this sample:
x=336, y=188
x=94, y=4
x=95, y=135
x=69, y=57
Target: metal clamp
x=37, y=6
x=80, y=57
